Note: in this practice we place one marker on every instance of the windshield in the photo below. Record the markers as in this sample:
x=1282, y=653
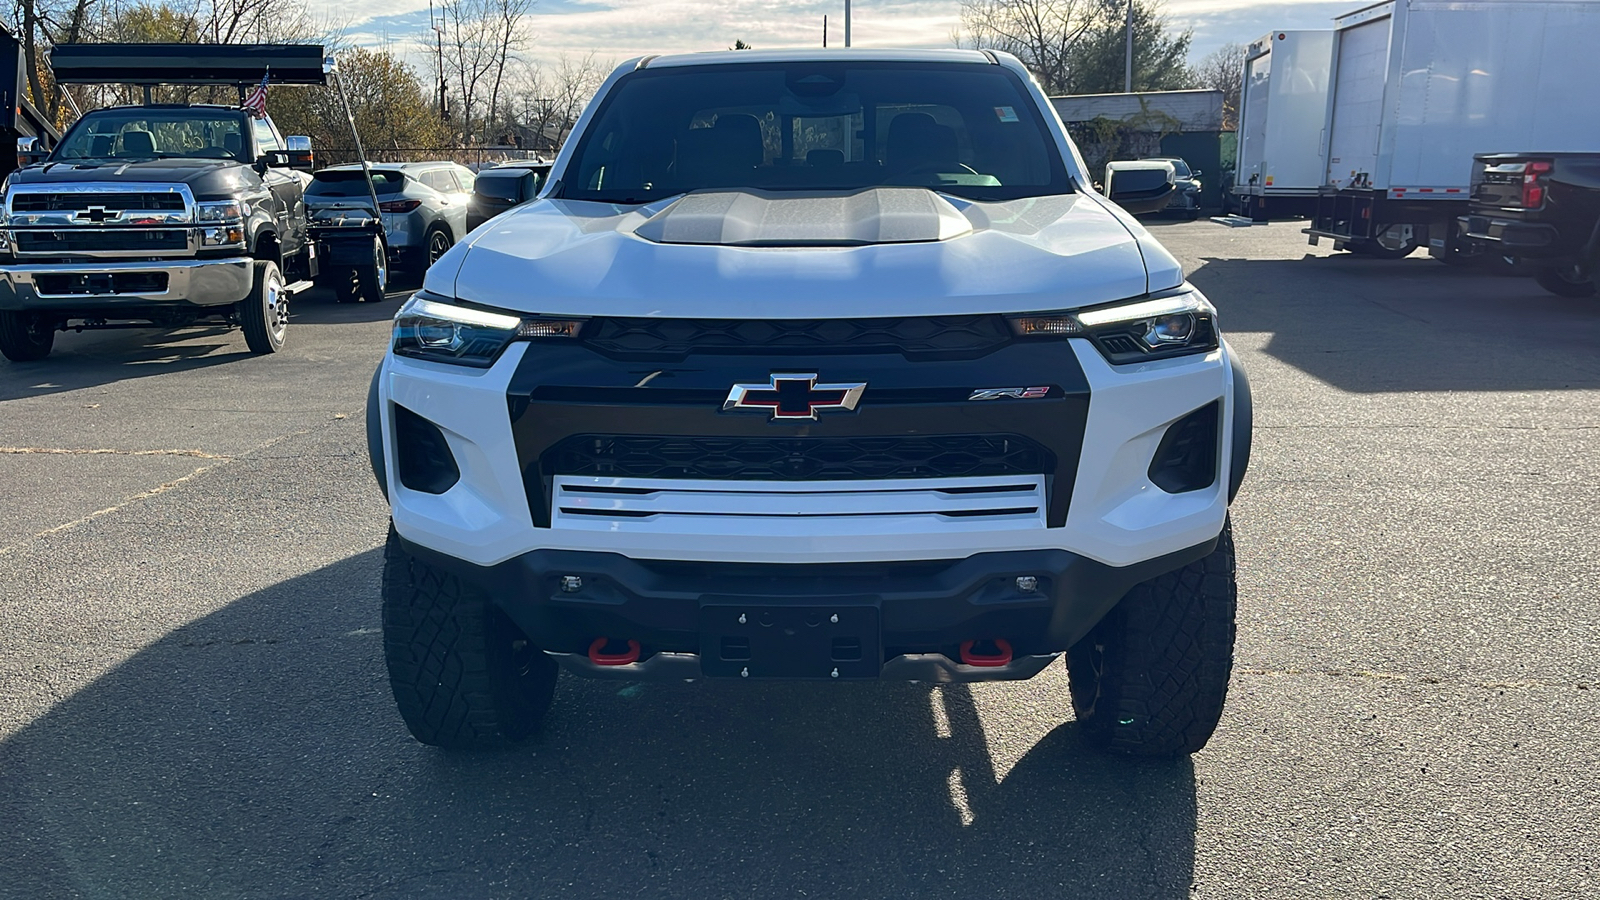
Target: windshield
x=149, y=133
x=1180, y=168
x=964, y=129
x=349, y=183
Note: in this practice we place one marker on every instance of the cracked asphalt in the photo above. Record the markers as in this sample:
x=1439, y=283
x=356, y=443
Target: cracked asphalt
x=193, y=701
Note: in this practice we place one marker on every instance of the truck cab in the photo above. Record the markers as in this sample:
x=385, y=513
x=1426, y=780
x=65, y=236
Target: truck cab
x=161, y=214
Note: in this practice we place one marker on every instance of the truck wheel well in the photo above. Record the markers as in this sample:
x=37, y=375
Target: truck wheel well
x=267, y=247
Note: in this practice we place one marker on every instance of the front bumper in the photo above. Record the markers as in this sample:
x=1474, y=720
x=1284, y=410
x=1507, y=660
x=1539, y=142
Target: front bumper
x=896, y=620
x=104, y=287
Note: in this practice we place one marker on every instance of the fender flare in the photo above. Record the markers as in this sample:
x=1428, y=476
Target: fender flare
x=1243, y=425
x=375, y=435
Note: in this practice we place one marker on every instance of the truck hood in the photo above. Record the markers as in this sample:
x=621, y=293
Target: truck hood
x=747, y=254
x=209, y=179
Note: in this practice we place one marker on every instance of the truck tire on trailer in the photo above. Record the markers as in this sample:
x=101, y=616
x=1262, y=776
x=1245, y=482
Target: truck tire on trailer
x=365, y=282
x=25, y=336
x=1565, y=281
x=463, y=675
x=264, y=314
x=1151, y=678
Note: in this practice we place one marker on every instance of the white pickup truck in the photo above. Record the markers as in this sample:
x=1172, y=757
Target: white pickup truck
x=811, y=365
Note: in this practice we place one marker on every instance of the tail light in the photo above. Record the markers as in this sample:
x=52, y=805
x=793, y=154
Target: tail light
x=1532, y=190
x=399, y=206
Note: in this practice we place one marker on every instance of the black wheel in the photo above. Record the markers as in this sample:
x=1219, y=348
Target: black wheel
x=265, y=313
x=1565, y=281
x=439, y=243
x=1151, y=678
x=25, y=336
x=373, y=277
x=463, y=675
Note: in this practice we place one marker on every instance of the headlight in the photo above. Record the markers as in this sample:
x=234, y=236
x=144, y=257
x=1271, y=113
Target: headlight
x=1171, y=323
x=221, y=211
x=468, y=336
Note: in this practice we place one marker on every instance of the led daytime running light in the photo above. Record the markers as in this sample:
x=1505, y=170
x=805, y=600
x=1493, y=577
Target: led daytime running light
x=462, y=314
x=1163, y=306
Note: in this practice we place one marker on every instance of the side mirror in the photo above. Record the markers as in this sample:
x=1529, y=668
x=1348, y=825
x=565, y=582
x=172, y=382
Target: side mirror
x=1140, y=187
x=30, y=150
x=300, y=155
x=1195, y=173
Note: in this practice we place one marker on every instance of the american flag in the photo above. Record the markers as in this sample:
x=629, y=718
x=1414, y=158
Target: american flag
x=257, y=101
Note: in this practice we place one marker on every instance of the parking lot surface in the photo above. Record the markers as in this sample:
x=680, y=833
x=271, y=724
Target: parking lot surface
x=193, y=700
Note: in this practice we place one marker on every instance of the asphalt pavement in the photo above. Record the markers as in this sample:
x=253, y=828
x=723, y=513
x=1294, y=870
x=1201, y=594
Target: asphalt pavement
x=193, y=700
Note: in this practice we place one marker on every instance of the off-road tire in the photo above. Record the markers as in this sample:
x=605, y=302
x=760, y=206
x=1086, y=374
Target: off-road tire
x=264, y=314
x=25, y=336
x=1559, y=281
x=1151, y=678
x=464, y=677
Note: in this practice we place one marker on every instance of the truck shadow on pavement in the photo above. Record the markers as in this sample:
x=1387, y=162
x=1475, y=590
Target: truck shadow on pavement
x=256, y=752
x=1364, y=325
x=96, y=358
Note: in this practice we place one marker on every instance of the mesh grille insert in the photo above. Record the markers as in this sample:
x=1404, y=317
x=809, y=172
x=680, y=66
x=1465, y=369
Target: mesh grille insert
x=797, y=459
x=945, y=337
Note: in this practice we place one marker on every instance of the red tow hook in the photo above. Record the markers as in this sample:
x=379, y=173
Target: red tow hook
x=600, y=658
x=1000, y=657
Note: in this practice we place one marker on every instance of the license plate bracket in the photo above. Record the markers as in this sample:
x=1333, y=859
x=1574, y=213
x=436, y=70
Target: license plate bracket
x=740, y=640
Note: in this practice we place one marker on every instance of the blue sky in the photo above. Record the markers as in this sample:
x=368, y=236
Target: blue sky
x=618, y=29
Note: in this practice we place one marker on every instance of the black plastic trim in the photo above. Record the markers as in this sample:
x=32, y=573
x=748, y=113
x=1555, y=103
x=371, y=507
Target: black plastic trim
x=422, y=456
x=375, y=435
x=924, y=606
x=1243, y=424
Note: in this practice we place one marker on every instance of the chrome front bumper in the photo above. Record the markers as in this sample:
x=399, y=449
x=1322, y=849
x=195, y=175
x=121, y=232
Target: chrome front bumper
x=189, y=282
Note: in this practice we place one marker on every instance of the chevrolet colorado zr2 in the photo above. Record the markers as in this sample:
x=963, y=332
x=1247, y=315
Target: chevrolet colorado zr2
x=811, y=365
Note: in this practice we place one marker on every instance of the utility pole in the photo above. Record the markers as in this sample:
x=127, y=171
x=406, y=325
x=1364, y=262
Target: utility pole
x=1127, y=77
x=847, y=23
x=438, y=37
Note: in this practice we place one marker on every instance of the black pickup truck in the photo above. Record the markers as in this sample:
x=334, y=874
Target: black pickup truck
x=1541, y=210
x=170, y=214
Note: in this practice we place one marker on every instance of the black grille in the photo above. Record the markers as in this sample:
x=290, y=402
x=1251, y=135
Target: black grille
x=935, y=337
x=116, y=200
x=87, y=241
x=797, y=458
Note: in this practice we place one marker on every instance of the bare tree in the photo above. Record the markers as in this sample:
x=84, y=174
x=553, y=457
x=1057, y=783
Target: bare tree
x=481, y=40
x=549, y=98
x=1041, y=33
x=1223, y=70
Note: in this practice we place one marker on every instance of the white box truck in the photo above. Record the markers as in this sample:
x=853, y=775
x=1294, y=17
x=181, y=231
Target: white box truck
x=1282, y=107
x=1419, y=86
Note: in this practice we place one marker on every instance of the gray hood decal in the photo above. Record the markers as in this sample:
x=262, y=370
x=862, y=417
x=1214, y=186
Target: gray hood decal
x=750, y=218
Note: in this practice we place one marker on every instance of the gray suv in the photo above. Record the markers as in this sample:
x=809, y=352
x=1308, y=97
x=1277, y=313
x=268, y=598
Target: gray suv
x=424, y=205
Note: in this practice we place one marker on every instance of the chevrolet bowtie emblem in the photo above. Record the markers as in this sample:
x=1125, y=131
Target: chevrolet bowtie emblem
x=794, y=396
x=99, y=214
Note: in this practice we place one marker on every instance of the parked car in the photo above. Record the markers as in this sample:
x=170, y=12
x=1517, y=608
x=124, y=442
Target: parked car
x=913, y=403
x=1186, y=187
x=1542, y=211
x=503, y=187
x=424, y=205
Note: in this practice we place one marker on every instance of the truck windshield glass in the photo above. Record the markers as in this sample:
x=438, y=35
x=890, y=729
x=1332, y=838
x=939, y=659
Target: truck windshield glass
x=962, y=129
x=148, y=133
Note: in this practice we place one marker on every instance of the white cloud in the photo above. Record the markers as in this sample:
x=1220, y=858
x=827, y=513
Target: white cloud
x=618, y=29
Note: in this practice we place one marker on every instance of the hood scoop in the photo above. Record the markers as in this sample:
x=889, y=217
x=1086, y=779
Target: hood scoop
x=752, y=218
